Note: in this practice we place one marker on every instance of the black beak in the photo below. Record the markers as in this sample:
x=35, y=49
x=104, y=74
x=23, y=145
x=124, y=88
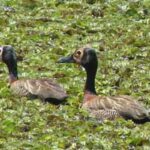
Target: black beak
x=68, y=59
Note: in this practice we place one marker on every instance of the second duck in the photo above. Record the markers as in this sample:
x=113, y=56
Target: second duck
x=45, y=89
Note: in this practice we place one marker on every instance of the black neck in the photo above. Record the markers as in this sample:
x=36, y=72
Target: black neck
x=12, y=68
x=90, y=80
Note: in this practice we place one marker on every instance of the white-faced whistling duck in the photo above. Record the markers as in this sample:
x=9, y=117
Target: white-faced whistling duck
x=103, y=107
x=45, y=89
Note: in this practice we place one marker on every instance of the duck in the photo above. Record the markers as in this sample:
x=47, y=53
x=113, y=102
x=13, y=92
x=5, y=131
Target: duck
x=44, y=89
x=99, y=106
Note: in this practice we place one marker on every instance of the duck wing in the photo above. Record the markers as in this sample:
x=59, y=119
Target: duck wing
x=117, y=106
x=42, y=88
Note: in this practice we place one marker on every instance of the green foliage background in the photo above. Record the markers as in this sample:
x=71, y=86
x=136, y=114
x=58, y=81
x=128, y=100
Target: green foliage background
x=44, y=30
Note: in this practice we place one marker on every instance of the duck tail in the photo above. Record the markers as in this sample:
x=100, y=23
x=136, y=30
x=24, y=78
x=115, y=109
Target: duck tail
x=145, y=119
x=141, y=121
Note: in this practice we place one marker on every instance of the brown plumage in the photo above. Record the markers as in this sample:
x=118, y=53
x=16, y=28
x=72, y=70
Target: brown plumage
x=45, y=89
x=102, y=107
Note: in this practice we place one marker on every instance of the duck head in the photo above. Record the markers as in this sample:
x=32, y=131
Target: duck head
x=86, y=57
x=8, y=56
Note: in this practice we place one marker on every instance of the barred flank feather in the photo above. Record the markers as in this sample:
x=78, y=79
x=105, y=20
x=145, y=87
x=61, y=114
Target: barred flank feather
x=42, y=88
x=123, y=106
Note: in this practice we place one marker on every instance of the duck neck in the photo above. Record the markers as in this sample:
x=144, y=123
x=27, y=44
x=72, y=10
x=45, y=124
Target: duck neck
x=90, y=80
x=12, y=69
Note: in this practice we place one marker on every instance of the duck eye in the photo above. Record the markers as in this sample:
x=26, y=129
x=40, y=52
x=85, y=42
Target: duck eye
x=78, y=53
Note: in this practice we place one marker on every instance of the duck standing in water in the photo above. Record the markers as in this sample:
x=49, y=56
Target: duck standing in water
x=45, y=89
x=102, y=107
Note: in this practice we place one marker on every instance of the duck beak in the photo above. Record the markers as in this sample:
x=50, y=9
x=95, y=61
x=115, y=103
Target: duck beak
x=68, y=59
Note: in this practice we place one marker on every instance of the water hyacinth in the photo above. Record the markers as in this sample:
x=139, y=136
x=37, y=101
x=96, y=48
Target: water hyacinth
x=41, y=32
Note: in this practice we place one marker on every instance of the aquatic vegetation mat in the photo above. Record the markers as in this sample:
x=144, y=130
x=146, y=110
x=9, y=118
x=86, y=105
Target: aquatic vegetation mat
x=41, y=31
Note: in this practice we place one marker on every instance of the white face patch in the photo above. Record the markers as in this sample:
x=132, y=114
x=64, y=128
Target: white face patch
x=1, y=52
